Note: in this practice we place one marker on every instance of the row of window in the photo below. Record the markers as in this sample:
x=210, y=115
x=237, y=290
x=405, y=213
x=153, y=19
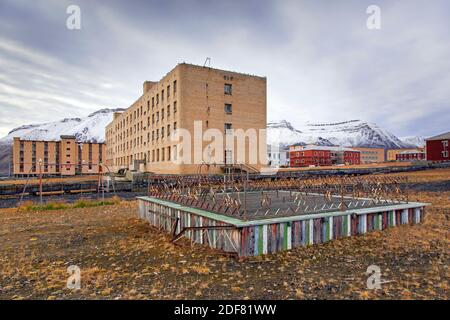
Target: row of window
x=138, y=127
x=139, y=112
x=139, y=141
x=156, y=118
x=157, y=155
x=228, y=90
x=115, y=137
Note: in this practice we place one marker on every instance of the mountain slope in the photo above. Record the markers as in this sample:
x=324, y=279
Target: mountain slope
x=414, y=140
x=87, y=129
x=353, y=133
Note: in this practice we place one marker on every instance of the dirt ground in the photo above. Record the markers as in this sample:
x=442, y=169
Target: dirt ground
x=121, y=257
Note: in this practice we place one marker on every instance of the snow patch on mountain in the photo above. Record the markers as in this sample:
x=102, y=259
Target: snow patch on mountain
x=353, y=133
x=87, y=129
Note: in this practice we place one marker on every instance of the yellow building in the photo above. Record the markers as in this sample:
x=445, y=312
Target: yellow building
x=371, y=155
x=201, y=102
x=65, y=157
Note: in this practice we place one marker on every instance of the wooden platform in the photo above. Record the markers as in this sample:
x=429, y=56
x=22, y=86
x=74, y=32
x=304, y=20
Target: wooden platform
x=273, y=234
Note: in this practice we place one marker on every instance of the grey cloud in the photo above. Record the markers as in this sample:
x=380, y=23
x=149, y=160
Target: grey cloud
x=321, y=62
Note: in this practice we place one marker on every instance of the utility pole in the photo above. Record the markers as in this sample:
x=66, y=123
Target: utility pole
x=103, y=183
x=81, y=183
x=40, y=181
x=245, y=198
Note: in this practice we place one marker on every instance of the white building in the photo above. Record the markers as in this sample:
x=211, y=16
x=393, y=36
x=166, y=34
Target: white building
x=278, y=156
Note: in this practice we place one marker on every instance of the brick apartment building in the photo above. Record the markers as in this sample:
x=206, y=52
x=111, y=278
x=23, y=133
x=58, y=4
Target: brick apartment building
x=322, y=156
x=65, y=157
x=140, y=137
x=437, y=148
x=410, y=155
x=371, y=155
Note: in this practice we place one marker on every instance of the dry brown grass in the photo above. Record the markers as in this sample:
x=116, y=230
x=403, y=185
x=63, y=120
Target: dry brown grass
x=122, y=257
x=35, y=180
x=426, y=175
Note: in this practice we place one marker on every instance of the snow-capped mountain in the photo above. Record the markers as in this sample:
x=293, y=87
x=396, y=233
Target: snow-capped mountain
x=87, y=129
x=414, y=140
x=353, y=133
x=285, y=134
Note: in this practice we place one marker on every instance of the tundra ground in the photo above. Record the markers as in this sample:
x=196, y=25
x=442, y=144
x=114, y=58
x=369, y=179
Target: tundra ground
x=122, y=257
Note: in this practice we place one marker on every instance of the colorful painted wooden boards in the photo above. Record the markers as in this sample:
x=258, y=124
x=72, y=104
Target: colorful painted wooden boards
x=252, y=238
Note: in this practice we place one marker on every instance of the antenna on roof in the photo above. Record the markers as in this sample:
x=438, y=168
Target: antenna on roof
x=207, y=61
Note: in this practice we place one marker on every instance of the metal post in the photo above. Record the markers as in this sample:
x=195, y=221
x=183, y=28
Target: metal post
x=245, y=198
x=103, y=183
x=40, y=181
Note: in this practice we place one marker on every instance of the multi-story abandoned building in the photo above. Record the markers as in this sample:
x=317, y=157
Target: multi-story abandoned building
x=64, y=157
x=203, y=106
x=371, y=155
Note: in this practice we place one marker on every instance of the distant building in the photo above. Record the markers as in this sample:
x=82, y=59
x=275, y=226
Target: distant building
x=391, y=154
x=278, y=156
x=410, y=155
x=322, y=156
x=371, y=155
x=65, y=157
x=437, y=148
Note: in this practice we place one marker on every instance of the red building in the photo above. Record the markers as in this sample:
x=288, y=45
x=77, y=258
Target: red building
x=410, y=156
x=351, y=157
x=438, y=148
x=322, y=156
x=309, y=156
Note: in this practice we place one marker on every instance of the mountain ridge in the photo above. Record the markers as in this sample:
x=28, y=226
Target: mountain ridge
x=351, y=133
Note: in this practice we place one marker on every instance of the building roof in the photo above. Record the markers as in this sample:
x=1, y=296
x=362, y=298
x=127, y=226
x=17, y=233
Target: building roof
x=443, y=136
x=411, y=152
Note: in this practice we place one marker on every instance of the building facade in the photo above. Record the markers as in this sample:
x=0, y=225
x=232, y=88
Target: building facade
x=349, y=157
x=305, y=156
x=309, y=156
x=437, y=148
x=278, y=156
x=371, y=155
x=65, y=157
x=200, y=101
x=408, y=156
x=391, y=154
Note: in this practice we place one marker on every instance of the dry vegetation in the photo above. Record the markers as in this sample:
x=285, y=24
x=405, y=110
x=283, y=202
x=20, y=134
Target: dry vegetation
x=122, y=257
x=46, y=180
x=426, y=175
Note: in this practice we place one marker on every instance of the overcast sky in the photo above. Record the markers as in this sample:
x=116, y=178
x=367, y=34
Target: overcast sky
x=321, y=61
